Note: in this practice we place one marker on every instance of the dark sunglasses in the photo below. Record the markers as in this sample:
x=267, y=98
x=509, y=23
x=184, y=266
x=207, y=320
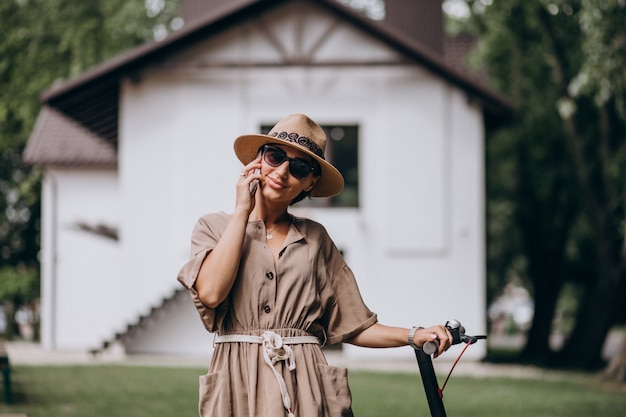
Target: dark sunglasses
x=298, y=167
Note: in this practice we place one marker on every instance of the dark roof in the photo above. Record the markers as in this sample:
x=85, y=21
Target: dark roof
x=456, y=50
x=60, y=141
x=92, y=98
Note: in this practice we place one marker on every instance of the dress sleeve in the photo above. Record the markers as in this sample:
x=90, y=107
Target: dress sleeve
x=204, y=237
x=346, y=312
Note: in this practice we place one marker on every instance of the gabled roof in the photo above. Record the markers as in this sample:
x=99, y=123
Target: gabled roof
x=92, y=98
x=60, y=141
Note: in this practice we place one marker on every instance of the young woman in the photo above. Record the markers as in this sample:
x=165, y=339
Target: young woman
x=275, y=288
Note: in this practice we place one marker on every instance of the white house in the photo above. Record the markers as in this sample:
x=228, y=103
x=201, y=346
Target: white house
x=136, y=149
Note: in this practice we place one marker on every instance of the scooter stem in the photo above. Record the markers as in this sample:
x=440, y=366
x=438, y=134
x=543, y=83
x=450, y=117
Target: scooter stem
x=431, y=387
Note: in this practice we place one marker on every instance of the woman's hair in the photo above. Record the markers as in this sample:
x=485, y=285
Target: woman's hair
x=300, y=197
x=304, y=194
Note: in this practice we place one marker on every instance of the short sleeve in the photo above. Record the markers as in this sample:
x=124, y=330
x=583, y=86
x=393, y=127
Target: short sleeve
x=205, y=235
x=346, y=314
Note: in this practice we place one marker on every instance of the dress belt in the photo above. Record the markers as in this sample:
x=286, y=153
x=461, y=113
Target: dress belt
x=275, y=348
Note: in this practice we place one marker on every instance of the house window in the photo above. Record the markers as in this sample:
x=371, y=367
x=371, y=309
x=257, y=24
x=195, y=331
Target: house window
x=342, y=150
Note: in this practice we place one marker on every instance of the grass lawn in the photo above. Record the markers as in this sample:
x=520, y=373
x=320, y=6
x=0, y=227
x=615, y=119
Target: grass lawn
x=138, y=391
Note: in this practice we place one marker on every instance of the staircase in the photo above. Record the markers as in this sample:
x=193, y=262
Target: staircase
x=116, y=344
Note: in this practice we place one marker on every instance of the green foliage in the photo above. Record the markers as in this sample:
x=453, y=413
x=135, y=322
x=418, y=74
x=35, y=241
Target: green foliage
x=603, y=73
x=19, y=286
x=18, y=283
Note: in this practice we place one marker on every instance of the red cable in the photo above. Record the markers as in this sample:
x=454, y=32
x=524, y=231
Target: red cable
x=440, y=390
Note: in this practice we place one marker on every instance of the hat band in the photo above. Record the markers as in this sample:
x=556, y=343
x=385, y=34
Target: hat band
x=300, y=140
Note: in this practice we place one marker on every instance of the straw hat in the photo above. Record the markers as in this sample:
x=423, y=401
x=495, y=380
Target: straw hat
x=301, y=133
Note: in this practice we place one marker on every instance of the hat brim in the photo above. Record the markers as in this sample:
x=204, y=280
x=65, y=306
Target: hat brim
x=330, y=182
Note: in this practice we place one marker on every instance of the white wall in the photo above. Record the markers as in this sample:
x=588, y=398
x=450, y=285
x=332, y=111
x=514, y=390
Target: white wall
x=82, y=281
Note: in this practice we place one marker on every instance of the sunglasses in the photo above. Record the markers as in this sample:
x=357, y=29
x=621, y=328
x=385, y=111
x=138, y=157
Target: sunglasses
x=298, y=167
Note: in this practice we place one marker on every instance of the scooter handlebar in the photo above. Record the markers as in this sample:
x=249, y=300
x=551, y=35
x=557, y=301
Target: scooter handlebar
x=458, y=336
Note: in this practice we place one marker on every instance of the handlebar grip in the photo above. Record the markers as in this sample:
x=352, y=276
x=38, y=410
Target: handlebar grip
x=431, y=347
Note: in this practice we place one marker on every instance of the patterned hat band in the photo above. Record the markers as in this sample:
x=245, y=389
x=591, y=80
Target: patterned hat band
x=300, y=140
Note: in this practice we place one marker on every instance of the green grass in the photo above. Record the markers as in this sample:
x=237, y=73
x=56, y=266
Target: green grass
x=138, y=391
x=98, y=391
x=402, y=395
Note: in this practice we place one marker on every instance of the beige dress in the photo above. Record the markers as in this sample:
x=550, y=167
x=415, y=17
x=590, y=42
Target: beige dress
x=309, y=291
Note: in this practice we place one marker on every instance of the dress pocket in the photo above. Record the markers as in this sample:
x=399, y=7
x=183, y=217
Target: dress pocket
x=215, y=394
x=335, y=390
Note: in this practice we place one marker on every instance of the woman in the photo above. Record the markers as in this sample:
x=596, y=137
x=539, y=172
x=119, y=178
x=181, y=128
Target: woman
x=274, y=287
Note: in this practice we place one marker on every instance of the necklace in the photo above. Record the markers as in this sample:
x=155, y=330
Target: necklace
x=269, y=235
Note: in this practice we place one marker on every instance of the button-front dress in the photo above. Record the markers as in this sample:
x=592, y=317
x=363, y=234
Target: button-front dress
x=309, y=291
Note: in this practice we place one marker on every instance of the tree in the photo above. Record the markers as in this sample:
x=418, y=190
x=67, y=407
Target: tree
x=18, y=287
x=562, y=64
x=43, y=41
x=598, y=148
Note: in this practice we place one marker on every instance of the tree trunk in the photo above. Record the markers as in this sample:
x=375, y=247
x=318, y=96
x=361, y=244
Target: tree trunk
x=595, y=317
x=545, y=222
x=547, y=287
x=9, y=310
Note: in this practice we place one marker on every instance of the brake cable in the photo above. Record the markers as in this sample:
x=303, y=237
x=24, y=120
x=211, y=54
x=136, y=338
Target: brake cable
x=440, y=390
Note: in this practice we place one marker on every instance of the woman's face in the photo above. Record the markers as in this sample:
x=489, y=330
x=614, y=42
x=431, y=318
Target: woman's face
x=279, y=182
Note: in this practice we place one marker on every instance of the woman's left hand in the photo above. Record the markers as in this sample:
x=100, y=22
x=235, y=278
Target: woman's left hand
x=432, y=333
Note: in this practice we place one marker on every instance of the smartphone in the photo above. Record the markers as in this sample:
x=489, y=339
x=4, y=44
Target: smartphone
x=255, y=184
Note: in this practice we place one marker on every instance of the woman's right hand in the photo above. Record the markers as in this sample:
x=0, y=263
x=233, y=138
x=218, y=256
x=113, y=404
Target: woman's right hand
x=244, y=200
x=219, y=269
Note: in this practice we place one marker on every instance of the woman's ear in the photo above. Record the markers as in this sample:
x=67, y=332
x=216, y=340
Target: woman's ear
x=311, y=185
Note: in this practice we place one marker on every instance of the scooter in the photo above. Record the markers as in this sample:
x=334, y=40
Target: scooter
x=434, y=394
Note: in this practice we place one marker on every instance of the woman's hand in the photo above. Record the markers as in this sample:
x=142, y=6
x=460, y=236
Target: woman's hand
x=244, y=200
x=431, y=334
x=219, y=269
